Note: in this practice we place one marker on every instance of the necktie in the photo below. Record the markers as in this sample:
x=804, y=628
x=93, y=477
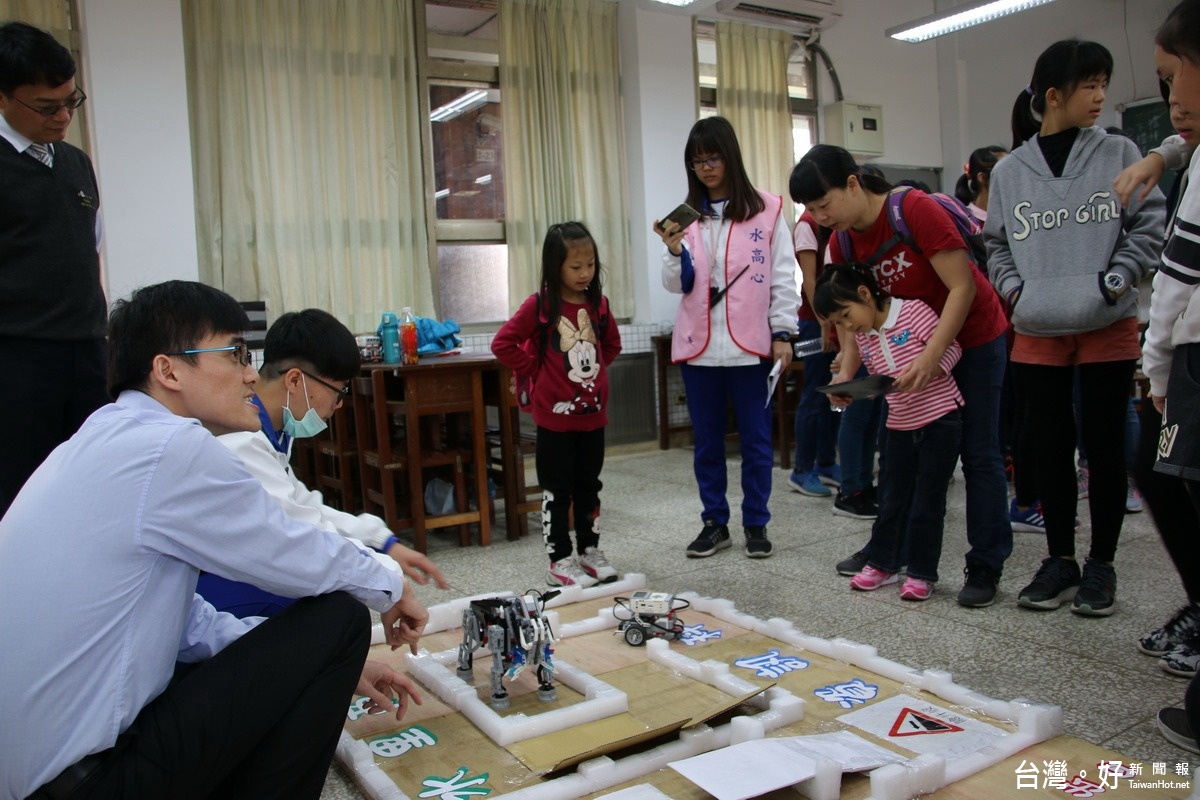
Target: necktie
x=42, y=153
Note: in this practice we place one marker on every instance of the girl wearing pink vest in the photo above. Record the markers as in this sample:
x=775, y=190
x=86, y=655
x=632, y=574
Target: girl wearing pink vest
x=737, y=273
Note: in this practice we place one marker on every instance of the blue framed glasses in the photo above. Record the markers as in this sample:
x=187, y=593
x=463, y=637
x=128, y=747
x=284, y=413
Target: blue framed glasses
x=241, y=352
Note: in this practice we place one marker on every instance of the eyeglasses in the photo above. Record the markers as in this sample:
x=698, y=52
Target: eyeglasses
x=712, y=162
x=241, y=352
x=341, y=393
x=71, y=104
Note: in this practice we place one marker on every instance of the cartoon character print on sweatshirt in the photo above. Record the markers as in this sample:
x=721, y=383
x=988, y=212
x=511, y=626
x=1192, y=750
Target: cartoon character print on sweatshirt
x=581, y=357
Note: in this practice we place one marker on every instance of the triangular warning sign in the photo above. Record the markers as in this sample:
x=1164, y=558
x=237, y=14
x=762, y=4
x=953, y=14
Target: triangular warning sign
x=914, y=723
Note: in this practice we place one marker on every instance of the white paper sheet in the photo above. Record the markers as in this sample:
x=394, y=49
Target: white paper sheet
x=747, y=769
x=772, y=379
x=853, y=752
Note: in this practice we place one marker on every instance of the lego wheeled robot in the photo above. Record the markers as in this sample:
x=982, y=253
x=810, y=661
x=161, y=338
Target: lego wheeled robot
x=517, y=634
x=649, y=615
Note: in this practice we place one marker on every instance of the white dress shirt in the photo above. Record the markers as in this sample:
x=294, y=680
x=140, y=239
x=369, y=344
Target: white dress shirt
x=99, y=555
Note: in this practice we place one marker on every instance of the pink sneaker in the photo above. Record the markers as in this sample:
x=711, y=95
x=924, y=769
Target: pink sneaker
x=915, y=589
x=871, y=579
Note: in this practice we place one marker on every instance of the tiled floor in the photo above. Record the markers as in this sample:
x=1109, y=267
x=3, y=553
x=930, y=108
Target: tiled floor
x=1109, y=692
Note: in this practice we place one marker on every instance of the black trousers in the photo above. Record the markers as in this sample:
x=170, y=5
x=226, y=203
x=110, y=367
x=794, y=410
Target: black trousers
x=1170, y=505
x=1047, y=429
x=568, y=469
x=47, y=390
x=259, y=720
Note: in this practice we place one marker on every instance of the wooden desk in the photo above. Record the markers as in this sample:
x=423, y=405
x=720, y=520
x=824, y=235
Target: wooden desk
x=785, y=413
x=439, y=385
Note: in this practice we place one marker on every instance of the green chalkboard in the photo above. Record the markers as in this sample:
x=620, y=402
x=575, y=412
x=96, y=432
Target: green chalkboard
x=1148, y=124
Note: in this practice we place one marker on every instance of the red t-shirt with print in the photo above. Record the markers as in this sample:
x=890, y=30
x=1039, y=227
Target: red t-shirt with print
x=906, y=273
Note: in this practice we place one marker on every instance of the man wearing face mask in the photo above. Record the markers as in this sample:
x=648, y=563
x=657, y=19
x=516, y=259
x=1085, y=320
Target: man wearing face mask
x=309, y=359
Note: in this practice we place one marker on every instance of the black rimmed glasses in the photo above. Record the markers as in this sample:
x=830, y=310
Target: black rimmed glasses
x=341, y=393
x=71, y=104
x=712, y=162
x=241, y=352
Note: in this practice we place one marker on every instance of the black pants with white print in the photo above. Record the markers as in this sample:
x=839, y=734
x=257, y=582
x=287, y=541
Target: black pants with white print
x=568, y=469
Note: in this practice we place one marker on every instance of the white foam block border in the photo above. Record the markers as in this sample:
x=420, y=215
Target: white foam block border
x=927, y=773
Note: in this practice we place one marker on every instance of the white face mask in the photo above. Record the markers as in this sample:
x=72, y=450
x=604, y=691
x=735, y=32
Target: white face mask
x=310, y=425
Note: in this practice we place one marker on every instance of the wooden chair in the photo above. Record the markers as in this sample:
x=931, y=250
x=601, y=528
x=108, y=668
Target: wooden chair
x=382, y=456
x=508, y=447
x=335, y=462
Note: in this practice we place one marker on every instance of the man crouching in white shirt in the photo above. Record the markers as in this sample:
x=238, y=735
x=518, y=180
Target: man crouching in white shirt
x=120, y=681
x=309, y=358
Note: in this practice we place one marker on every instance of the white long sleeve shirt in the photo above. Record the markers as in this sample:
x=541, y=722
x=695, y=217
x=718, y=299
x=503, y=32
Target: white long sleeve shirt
x=99, y=556
x=1174, y=301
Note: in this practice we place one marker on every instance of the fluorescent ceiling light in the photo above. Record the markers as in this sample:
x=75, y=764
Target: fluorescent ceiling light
x=460, y=105
x=484, y=179
x=676, y=2
x=955, y=19
x=440, y=193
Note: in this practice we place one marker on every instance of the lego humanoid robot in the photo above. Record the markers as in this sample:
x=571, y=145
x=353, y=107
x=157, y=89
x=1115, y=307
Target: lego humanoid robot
x=517, y=635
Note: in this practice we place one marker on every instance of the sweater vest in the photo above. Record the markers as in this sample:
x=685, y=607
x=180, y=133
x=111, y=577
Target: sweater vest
x=49, y=268
x=748, y=299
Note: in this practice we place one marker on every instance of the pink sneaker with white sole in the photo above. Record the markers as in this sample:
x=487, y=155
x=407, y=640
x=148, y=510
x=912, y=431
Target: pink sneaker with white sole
x=871, y=579
x=916, y=589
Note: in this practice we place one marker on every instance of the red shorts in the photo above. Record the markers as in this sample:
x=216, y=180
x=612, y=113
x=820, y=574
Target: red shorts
x=1117, y=342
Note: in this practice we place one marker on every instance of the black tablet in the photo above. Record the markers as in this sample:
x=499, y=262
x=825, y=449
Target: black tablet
x=870, y=386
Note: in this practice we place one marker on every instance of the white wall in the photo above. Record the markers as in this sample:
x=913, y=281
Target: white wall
x=658, y=89
x=940, y=100
x=134, y=72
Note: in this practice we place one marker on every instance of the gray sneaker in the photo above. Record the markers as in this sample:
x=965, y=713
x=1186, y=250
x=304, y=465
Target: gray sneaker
x=1055, y=583
x=714, y=537
x=1173, y=725
x=757, y=543
x=1097, y=590
x=1182, y=660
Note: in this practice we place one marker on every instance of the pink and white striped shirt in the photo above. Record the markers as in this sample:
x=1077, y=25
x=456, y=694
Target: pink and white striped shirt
x=887, y=351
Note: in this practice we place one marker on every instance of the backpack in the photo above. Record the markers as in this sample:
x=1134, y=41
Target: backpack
x=968, y=227
x=536, y=347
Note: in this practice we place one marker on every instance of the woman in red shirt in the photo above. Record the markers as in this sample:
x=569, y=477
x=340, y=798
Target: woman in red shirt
x=935, y=269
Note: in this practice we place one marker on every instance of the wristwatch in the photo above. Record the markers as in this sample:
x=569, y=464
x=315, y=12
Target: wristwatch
x=1114, y=282
x=781, y=336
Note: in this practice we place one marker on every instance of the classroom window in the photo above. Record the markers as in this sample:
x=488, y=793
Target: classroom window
x=801, y=87
x=465, y=173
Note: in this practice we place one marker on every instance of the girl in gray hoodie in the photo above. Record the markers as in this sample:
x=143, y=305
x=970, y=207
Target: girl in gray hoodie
x=1067, y=258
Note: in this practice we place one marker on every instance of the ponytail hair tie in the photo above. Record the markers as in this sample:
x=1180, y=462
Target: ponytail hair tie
x=966, y=169
x=1029, y=90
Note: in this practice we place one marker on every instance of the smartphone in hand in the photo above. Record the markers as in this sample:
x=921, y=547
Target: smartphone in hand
x=683, y=215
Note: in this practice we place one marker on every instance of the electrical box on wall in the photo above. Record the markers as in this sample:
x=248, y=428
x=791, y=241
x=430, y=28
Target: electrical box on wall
x=856, y=127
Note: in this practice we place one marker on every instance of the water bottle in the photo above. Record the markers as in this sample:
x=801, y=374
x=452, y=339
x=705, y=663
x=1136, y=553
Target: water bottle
x=389, y=335
x=808, y=347
x=408, y=338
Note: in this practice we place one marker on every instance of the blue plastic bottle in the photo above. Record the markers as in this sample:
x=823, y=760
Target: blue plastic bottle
x=389, y=337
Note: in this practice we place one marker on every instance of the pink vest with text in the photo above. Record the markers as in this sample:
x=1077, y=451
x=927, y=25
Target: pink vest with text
x=748, y=300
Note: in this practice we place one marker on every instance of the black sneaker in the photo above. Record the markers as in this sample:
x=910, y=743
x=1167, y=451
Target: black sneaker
x=979, y=586
x=714, y=537
x=1173, y=725
x=855, y=506
x=757, y=543
x=853, y=565
x=1055, y=583
x=1097, y=590
x=1179, y=628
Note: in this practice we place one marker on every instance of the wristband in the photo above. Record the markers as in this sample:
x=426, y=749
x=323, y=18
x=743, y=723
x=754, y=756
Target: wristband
x=391, y=540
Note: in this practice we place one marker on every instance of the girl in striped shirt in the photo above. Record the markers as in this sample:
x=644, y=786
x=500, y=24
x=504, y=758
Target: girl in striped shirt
x=923, y=427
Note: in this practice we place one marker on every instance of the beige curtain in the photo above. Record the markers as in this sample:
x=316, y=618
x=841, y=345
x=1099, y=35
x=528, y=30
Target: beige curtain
x=752, y=93
x=306, y=148
x=564, y=152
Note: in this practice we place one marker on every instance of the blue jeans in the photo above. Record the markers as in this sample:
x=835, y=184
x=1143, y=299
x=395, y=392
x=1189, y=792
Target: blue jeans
x=710, y=392
x=857, y=437
x=913, y=498
x=816, y=421
x=980, y=377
